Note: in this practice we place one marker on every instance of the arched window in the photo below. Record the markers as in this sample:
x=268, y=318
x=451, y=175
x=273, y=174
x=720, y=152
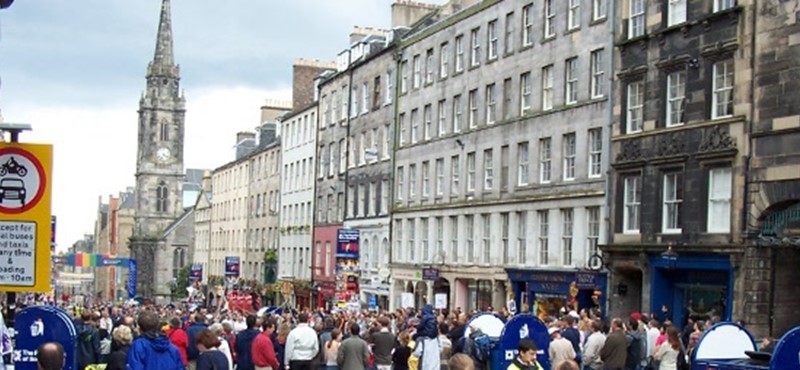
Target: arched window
x=163, y=128
x=162, y=197
x=178, y=261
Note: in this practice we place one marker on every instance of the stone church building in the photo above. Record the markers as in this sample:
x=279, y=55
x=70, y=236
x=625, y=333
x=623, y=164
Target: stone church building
x=159, y=168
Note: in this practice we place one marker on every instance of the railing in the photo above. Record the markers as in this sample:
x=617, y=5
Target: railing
x=779, y=220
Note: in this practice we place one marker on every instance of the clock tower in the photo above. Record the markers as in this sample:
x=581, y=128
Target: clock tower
x=159, y=161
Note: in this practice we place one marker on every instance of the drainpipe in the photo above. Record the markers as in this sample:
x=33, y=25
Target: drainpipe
x=609, y=193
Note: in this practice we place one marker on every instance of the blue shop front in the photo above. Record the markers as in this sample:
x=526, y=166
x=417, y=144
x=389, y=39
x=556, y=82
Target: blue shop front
x=552, y=292
x=697, y=285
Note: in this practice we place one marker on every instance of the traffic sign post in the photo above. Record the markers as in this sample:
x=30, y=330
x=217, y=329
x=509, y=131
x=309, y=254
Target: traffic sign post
x=25, y=223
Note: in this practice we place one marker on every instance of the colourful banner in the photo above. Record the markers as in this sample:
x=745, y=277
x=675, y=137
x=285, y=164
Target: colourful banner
x=89, y=260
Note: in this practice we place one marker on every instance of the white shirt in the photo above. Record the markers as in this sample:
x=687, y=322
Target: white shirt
x=652, y=338
x=106, y=323
x=301, y=344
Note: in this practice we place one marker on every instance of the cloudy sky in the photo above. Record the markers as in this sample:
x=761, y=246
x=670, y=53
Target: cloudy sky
x=75, y=70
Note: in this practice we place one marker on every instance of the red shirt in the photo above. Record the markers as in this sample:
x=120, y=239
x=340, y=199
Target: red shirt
x=180, y=340
x=263, y=352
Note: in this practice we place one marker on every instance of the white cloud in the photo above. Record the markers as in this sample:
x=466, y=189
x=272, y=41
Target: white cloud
x=95, y=147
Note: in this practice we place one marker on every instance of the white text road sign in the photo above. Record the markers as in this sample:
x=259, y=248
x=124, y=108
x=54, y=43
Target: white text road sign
x=17, y=253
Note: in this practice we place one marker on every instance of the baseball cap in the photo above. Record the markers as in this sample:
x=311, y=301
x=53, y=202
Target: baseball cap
x=553, y=330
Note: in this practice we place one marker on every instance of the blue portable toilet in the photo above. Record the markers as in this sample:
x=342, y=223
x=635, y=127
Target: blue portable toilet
x=41, y=324
x=521, y=326
x=728, y=346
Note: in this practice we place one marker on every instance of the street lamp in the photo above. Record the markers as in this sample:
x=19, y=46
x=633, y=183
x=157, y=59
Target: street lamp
x=670, y=256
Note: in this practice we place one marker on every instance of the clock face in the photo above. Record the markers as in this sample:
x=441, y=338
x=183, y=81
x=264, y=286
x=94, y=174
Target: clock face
x=163, y=154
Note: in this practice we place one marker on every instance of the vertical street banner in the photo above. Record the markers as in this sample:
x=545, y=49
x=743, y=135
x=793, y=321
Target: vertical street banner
x=131, y=278
x=232, y=266
x=196, y=272
x=25, y=217
x=347, y=243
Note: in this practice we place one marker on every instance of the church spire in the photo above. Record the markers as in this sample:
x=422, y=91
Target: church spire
x=163, y=55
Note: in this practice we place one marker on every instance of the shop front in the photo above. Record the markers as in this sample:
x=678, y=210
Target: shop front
x=553, y=292
x=697, y=285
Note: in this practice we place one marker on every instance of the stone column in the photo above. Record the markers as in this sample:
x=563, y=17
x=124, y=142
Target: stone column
x=756, y=297
x=429, y=299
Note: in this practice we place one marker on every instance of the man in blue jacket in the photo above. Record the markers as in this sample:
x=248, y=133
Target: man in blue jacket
x=152, y=350
x=244, y=343
x=196, y=326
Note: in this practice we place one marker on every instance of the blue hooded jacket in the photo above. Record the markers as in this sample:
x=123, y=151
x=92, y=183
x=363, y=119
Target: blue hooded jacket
x=427, y=323
x=154, y=351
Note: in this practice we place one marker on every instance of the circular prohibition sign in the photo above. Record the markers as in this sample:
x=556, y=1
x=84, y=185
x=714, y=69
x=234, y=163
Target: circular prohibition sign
x=22, y=180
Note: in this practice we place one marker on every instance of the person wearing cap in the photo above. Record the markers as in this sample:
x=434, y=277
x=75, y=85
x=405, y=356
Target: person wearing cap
x=560, y=348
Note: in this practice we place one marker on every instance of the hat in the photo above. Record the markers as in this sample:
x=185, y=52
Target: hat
x=574, y=314
x=636, y=316
x=553, y=330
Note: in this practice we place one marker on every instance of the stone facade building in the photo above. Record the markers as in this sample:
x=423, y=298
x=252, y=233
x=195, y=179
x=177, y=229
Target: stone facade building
x=770, y=305
x=683, y=111
x=329, y=190
x=499, y=181
x=202, y=227
x=159, y=163
x=369, y=168
x=241, y=224
x=298, y=157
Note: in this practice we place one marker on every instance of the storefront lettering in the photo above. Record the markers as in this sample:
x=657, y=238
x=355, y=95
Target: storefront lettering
x=548, y=278
x=549, y=287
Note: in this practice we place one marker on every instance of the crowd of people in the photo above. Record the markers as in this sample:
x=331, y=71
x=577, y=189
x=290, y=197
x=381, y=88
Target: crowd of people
x=179, y=337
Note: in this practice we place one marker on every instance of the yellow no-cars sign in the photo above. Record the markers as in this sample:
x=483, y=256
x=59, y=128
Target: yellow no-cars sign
x=25, y=185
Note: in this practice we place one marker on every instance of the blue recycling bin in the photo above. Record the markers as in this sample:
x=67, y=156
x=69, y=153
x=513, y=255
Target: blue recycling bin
x=518, y=327
x=40, y=324
x=728, y=346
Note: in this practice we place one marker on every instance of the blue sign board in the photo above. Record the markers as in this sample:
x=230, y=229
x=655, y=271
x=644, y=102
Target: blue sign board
x=196, y=272
x=37, y=325
x=430, y=274
x=131, y=278
x=232, y=266
x=523, y=326
x=347, y=243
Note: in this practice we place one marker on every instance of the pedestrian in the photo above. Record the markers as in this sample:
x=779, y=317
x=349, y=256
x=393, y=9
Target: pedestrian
x=461, y=361
x=196, y=326
x=383, y=344
x=331, y=349
x=223, y=347
x=402, y=352
x=567, y=365
x=244, y=344
x=354, y=352
x=637, y=346
x=88, y=341
x=50, y=356
x=152, y=349
x=302, y=345
x=615, y=349
x=118, y=359
x=445, y=345
x=667, y=354
x=571, y=333
x=210, y=357
x=178, y=337
x=263, y=350
x=594, y=344
x=560, y=348
x=526, y=355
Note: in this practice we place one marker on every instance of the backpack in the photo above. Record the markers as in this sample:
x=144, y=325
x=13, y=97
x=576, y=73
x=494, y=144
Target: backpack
x=482, y=346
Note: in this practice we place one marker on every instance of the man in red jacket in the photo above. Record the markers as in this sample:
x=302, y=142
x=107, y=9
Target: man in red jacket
x=178, y=337
x=262, y=350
